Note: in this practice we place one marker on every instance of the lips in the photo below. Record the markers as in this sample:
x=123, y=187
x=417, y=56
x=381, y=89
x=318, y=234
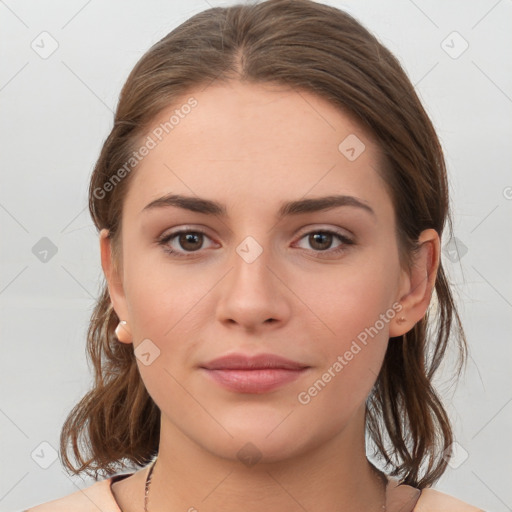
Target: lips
x=256, y=362
x=253, y=374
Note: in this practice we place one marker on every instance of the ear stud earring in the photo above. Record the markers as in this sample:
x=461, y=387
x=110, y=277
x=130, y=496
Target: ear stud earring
x=400, y=320
x=122, y=332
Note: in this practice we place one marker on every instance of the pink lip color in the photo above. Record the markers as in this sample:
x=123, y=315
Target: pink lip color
x=254, y=381
x=253, y=374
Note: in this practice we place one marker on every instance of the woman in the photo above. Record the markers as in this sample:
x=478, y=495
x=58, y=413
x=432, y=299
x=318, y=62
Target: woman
x=270, y=204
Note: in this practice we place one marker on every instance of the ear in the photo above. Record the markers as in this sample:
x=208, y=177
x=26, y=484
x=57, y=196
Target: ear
x=417, y=284
x=115, y=287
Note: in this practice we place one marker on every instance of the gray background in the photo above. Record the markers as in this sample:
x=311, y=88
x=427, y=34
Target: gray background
x=56, y=112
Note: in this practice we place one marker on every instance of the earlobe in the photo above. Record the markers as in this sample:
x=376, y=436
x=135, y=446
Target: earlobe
x=115, y=287
x=418, y=284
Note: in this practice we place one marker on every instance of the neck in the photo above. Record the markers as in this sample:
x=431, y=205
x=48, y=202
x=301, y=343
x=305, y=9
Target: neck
x=188, y=477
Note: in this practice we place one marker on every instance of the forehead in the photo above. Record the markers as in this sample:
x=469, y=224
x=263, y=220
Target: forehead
x=248, y=142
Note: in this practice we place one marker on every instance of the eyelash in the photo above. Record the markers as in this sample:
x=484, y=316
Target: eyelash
x=164, y=240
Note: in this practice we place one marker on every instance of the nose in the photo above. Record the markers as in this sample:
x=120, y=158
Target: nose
x=253, y=294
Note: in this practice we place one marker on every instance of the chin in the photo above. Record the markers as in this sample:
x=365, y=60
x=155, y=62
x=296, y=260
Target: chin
x=264, y=441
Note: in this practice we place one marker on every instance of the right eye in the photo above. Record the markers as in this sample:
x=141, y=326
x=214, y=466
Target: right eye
x=190, y=240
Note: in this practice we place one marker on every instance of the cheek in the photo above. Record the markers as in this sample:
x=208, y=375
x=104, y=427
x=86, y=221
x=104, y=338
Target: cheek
x=350, y=299
x=160, y=293
x=352, y=313
x=352, y=357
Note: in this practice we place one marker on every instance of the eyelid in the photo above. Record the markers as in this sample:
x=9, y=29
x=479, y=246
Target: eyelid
x=329, y=228
x=180, y=230
x=303, y=231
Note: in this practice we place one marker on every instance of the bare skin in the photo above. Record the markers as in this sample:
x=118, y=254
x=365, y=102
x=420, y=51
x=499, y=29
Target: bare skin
x=252, y=147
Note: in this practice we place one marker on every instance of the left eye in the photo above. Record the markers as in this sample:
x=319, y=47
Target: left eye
x=323, y=239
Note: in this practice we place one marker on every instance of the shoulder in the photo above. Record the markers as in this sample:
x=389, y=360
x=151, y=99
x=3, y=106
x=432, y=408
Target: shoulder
x=400, y=497
x=434, y=501
x=97, y=496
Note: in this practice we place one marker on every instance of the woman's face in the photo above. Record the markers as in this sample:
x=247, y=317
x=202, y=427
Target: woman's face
x=251, y=281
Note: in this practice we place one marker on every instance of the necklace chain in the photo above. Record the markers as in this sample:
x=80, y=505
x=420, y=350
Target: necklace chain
x=148, y=481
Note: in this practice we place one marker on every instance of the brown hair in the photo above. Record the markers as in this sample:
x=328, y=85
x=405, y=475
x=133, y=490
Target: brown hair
x=320, y=49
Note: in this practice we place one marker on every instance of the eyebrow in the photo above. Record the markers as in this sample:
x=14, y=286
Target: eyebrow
x=209, y=207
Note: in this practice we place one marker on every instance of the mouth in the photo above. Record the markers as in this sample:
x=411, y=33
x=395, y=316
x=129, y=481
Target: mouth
x=253, y=374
